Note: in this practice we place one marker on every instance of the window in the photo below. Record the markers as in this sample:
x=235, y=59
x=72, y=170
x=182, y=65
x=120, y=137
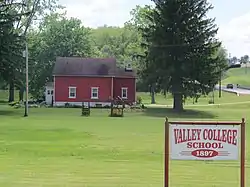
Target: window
x=52, y=92
x=124, y=93
x=48, y=92
x=94, y=93
x=72, y=92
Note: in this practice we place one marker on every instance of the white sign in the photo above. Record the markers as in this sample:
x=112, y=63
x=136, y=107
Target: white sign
x=204, y=142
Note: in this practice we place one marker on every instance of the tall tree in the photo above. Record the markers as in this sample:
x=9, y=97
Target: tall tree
x=56, y=36
x=139, y=16
x=16, y=18
x=181, y=48
x=11, y=43
x=139, y=20
x=121, y=43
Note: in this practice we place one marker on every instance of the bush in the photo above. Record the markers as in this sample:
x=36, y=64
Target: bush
x=13, y=103
x=75, y=106
x=67, y=105
x=18, y=106
x=98, y=106
x=33, y=106
x=143, y=107
x=210, y=102
x=106, y=106
x=138, y=100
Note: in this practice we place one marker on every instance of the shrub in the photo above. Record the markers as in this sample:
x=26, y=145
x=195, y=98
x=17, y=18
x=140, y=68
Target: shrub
x=98, y=106
x=33, y=106
x=13, y=103
x=143, y=106
x=138, y=100
x=16, y=106
x=75, y=106
x=67, y=105
x=106, y=106
x=210, y=102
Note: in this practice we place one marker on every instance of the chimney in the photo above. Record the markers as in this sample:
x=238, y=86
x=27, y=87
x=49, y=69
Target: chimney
x=128, y=67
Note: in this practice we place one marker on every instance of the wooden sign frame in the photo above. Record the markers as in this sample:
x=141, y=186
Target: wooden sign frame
x=242, y=144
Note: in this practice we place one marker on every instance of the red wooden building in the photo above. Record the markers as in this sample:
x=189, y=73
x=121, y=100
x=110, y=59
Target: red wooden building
x=93, y=80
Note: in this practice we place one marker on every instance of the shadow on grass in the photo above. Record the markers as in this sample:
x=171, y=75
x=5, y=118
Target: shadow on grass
x=168, y=112
x=8, y=113
x=2, y=102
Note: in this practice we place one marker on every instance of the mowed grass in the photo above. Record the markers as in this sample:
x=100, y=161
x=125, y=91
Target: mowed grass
x=59, y=148
x=203, y=100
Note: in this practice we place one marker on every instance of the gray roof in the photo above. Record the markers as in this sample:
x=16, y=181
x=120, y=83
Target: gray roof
x=76, y=66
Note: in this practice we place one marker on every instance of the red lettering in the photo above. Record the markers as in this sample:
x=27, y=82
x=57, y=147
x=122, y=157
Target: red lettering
x=189, y=145
x=229, y=137
x=184, y=135
x=202, y=145
x=226, y=135
x=189, y=136
x=205, y=134
x=214, y=145
x=224, y=138
x=176, y=135
x=234, y=140
x=210, y=134
x=193, y=134
x=215, y=137
x=208, y=145
x=198, y=134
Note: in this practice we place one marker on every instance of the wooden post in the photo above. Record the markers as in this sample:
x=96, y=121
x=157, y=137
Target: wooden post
x=166, y=168
x=52, y=101
x=82, y=108
x=243, y=152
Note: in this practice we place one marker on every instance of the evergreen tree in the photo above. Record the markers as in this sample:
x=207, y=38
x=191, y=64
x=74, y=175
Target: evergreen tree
x=182, y=51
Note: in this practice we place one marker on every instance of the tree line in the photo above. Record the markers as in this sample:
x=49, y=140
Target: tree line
x=173, y=46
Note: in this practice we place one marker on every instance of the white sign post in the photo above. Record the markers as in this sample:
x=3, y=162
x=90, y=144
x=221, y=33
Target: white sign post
x=204, y=142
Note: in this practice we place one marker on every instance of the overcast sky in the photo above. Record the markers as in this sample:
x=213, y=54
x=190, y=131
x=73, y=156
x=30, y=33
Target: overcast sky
x=232, y=17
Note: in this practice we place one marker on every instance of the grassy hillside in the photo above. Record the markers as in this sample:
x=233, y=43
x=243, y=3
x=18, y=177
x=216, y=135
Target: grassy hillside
x=239, y=76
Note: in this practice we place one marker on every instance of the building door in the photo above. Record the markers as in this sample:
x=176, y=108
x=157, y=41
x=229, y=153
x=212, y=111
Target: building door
x=49, y=96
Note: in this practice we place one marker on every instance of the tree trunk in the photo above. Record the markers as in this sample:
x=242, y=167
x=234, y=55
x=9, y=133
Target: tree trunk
x=152, y=94
x=11, y=91
x=21, y=92
x=177, y=94
x=165, y=93
x=196, y=99
x=178, y=102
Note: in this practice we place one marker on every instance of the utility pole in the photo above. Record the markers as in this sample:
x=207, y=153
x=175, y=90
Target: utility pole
x=27, y=78
x=26, y=52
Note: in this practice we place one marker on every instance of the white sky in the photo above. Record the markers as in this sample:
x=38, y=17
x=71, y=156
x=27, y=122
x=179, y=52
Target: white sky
x=232, y=17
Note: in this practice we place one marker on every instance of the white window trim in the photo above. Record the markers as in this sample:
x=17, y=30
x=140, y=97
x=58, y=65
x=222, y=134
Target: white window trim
x=123, y=88
x=69, y=92
x=92, y=88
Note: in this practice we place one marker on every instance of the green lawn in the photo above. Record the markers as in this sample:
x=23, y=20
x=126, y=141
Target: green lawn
x=226, y=98
x=59, y=148
x=239, y=76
